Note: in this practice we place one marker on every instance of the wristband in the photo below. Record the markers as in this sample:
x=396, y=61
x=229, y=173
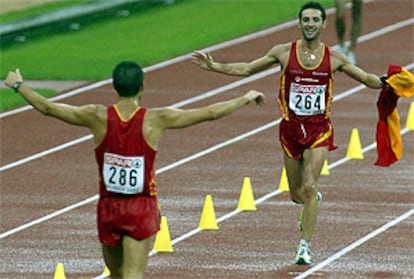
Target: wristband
x=16, y=86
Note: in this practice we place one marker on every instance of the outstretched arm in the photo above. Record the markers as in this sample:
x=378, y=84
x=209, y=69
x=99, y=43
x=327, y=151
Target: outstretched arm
x=205, y=61
x=369, y=79
x=81, y=116
x=342, y=63
x=158, y=120
x=177, y=118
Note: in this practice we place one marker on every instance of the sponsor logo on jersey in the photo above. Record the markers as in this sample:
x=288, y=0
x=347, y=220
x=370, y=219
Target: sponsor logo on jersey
x=307, y=89
x=115, y=160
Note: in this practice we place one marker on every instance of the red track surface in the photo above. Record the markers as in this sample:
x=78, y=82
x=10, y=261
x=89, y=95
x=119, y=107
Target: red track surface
x=359, y=197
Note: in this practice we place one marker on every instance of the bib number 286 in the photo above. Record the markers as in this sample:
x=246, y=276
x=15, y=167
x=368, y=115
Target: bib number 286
x=123, y=174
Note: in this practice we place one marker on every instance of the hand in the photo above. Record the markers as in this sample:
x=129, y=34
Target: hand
x=12, y=77
x=204, y=60
x=383, y=79
x=257, y=96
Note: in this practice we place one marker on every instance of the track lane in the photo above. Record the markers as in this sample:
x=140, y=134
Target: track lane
x=222, y=200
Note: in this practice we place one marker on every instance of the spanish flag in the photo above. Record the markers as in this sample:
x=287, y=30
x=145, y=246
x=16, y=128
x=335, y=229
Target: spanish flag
x=400, y=83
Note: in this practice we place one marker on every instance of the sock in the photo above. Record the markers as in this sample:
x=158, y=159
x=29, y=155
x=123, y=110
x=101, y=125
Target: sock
x=305, y=242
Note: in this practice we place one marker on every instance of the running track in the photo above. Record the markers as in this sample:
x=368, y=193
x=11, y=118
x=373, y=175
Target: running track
x=365, y=225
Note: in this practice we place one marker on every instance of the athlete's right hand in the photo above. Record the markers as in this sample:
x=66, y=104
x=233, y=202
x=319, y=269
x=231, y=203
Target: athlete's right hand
x=13, y=77
x=204, y=60
x=256, y=96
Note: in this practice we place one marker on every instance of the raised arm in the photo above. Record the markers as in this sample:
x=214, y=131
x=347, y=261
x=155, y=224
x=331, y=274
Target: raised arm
x=205, y=61
x=75, y=115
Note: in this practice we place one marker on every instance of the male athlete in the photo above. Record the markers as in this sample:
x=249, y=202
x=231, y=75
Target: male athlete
x=306, y=133
x=126, y=137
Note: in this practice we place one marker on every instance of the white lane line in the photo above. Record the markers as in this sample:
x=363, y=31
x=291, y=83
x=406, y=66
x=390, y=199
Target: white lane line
x=45, y=153
x=48, y=217
x=220, y=145
x=356, y=244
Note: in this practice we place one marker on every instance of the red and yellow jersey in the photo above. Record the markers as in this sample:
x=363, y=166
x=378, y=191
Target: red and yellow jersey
x=306, y=93
x=125, y=160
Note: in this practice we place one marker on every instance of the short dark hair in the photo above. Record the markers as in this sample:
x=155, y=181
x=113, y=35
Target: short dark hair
x=313, y=5
x=127, y=78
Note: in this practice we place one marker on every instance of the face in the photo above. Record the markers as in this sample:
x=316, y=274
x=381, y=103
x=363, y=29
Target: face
x=311, y=24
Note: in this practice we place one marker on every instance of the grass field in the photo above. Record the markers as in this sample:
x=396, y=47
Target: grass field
x=148, y=37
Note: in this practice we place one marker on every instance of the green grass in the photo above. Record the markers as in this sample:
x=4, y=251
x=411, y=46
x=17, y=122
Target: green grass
x=148, y=37
x=9, y=99
x=158, y=34
x=42, y=9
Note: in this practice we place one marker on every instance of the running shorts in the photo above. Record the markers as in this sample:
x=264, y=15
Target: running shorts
x=136, y=216
x=296, y=136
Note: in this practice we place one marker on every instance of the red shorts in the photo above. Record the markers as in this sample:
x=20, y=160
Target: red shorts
x=135, y=216
x=295, y=136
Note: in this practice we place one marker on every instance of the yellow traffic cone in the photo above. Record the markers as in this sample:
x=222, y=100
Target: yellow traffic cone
x=162, y=240
x=60, y=272
x=409, y=125
x=325, y=169
x=284, y=185
x=354, y=147
x=246, y=201
x=208, y=216
x=106, y=271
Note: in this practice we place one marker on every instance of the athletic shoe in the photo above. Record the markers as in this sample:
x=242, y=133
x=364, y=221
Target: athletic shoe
x=303, y=255
x=351, y=57
x=319, y=199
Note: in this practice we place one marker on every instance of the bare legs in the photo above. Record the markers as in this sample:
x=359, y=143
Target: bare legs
x=356, y=24
x=303, y=178
x=340, y=22
x=129, y=260
x=340, y=25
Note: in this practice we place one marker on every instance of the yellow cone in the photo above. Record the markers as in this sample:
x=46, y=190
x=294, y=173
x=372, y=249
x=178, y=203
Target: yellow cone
x=354, y=147
x=284, y=185
x=208, y=216
x=409, y=125
x=59, y=272
x=246, y=201
x=325, y=169
x=106, y=271
x=163, y=240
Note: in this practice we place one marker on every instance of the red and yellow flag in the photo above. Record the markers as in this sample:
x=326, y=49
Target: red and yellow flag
x=389, y=144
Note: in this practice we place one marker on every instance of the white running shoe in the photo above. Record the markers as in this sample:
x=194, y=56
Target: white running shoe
x=319, y=199
x=303, y=255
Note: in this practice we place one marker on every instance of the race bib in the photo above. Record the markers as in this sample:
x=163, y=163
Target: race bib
x=123, y=174
x=307, y=99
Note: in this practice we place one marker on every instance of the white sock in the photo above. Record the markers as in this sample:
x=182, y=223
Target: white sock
x=305, y=242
